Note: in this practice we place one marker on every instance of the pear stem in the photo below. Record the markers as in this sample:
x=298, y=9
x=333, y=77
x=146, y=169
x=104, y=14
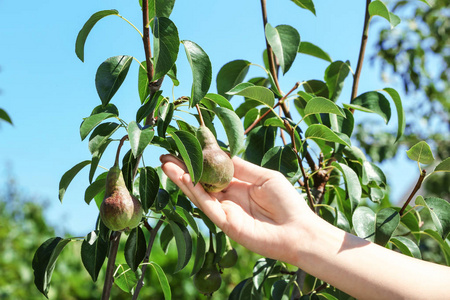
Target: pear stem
x=202, y=122
x=122, y=140
x=109, y=277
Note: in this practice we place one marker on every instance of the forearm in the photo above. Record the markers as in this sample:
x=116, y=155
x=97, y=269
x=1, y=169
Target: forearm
x=366, y=270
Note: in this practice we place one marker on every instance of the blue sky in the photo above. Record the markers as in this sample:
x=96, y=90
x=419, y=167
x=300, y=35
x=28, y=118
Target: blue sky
x=47, y=90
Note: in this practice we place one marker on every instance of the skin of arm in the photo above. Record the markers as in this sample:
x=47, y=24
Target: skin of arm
x=262, y=211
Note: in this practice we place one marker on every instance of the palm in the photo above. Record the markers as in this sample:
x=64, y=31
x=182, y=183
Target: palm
x=254, y=208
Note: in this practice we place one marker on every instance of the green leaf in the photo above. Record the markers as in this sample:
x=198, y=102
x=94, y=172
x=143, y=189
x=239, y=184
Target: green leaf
x=281, y=289
x=110, y=108
x=313, y=50
x=421, y=152
x=443, y=244
x=165, y=113
x=284, y=40
x=125, y=279
x=44, y=261
x=335, y=76
x=4, y=116
x=372, y=102
x=319, y=105
x=322, y=132
x=231, y=74
x=258, y=93
x=387, y=220
x=400, y=113
x=101, y=134
x=406, y=246
x=159, y=8
x=165, y=44
x=199, y=254
x=219, y=100
x=284, y=160
x=84, y=32
x=143, y=82
x=211, y=226
x=162, y=199
x=139, y=138
x=306, y=4
x=378, y=8
x=191, y=152
x=129, y=163
x=96, y=156
x=165, y=238
x=66, y=179
x=91, y=122
x=201, y=71
x=93, y=253
x=372, y=173
x=261, y=271
x=148, y=187
x=443, y=166
x=258, y=142
x=95, y=188
x=184, y=244
x=135, y=248
x=440, y=213
x=233, y=128
x=316, y=88
x=352, y=184
x=110, y=76
x=363, y=220
x=149, y=106
x=162, y=280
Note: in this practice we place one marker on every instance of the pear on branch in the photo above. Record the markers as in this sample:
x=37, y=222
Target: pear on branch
x=119, y=210
x=218, y=169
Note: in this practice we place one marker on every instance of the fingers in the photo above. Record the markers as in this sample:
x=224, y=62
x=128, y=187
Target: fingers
x=175, y=170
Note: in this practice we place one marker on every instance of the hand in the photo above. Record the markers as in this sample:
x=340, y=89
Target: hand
x=260, y=209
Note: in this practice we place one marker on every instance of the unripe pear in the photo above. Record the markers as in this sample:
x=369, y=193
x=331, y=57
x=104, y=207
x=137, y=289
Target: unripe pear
x=218, y=169
x=228, y=259
x=208, y=280
x=119, y=210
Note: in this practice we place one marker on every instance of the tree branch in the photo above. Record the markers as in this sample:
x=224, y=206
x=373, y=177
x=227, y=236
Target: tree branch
x=153, y=233
x=414, y=191
x=305, y=177
x=362, y=51
x=109, y=277
x=146, y=40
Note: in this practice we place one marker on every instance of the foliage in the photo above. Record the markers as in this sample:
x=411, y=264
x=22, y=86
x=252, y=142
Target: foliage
x=316, y=154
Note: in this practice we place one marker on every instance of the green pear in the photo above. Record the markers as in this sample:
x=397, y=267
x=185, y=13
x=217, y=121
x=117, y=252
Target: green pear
x=230, y=256
x=208, y=280
x=119, y=210
x=218, y=169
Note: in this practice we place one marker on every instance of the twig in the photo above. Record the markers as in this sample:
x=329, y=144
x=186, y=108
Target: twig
x=362, y=51
x=153, y=233
x=305, y=177
x=414, y=191
x=109, y=277
x=122, y=140
x=272, y=67
x=202, y=122
x=281, y=101
x=146, y=40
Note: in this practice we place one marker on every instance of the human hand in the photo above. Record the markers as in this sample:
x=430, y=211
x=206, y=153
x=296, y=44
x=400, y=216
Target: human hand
x=260, y=209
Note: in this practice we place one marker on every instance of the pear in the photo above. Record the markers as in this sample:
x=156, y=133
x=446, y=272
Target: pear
x=230, y=256
x=218, y=169
x=208, y=280
x=119, y=210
